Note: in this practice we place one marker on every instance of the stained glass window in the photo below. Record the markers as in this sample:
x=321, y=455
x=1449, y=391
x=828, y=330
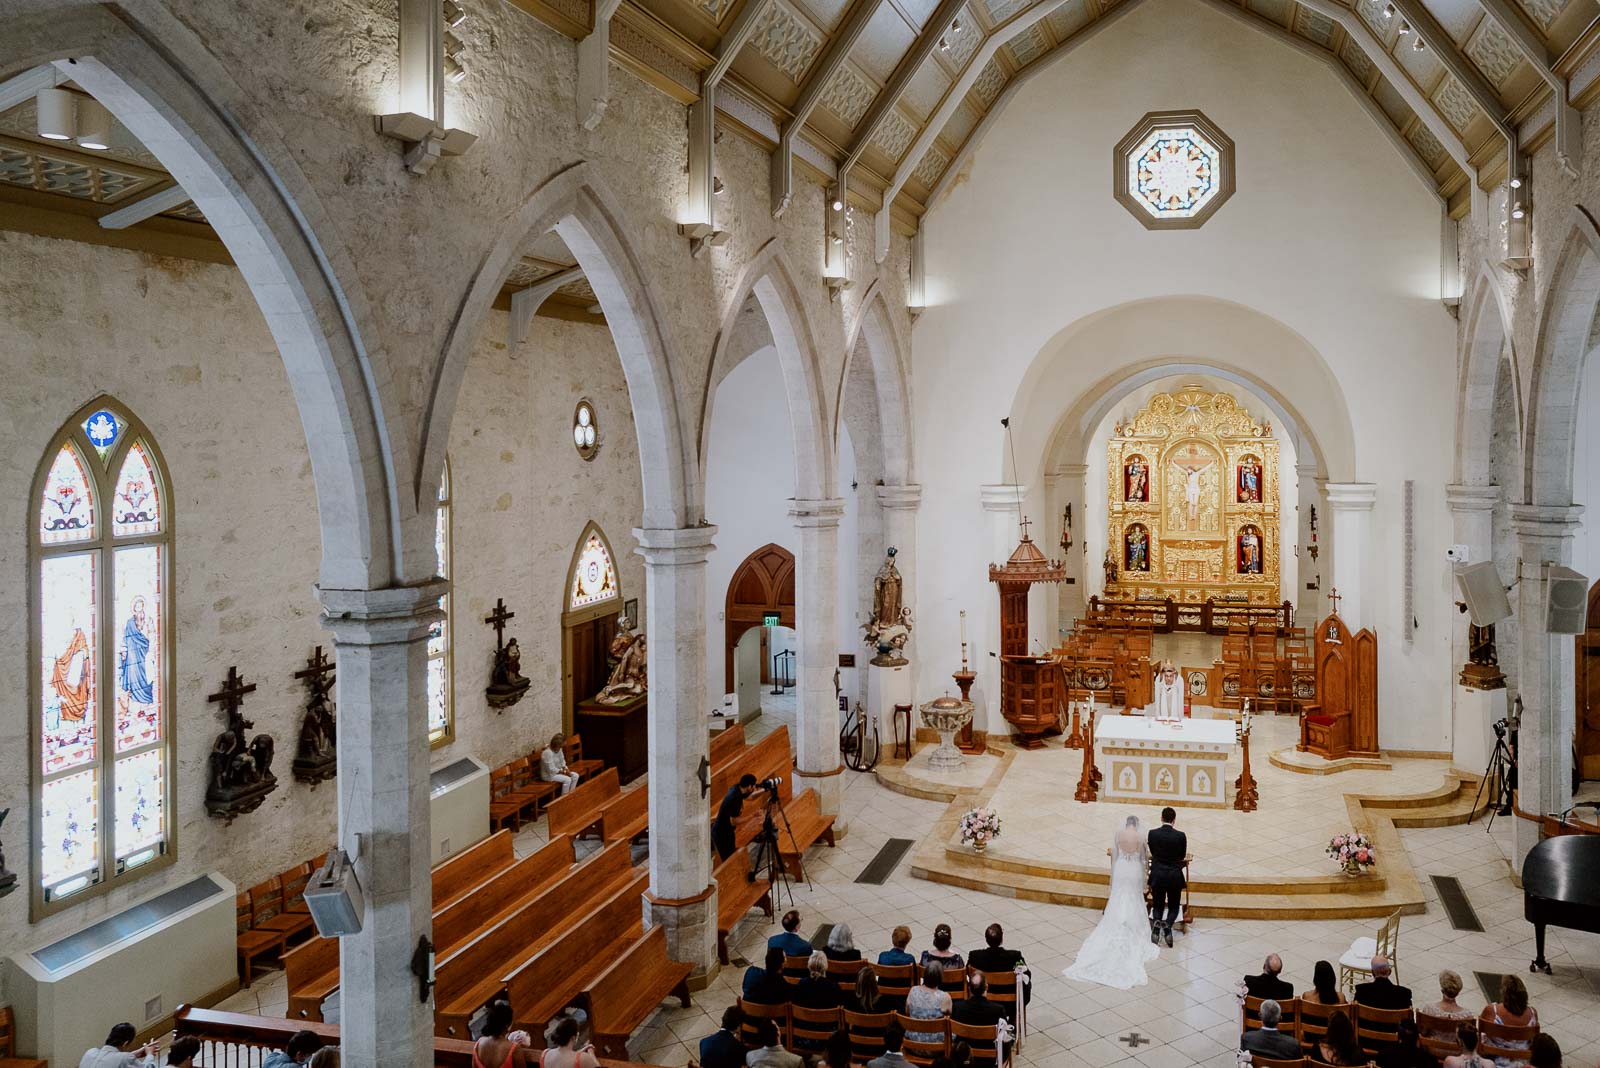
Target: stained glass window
x=441, y=722
x=1174, y=169
x=586, y=430
x=593, y=578
x=103, y=657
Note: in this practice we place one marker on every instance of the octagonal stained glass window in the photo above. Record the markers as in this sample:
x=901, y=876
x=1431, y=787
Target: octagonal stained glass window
x=1174, y=169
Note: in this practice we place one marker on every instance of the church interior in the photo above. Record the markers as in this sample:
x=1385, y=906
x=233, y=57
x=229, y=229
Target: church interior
x=540, y=505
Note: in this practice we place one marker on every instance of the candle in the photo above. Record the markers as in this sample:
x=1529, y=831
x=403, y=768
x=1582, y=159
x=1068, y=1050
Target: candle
x=963, y=628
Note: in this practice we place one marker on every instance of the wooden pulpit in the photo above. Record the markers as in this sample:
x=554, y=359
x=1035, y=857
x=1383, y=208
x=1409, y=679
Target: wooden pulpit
x=1344, y=719
x=1032, y=689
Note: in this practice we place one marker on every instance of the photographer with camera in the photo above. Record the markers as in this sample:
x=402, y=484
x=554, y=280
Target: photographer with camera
x=732, y=807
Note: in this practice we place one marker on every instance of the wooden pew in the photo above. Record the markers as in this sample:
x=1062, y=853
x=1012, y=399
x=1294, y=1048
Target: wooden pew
x=512, y=888
x=456, y=875
x=557, y=974
x=737, y=894
x=469, y=976
x=625, y=817
x=580, y=810
x=726, y=744
x=631, y=988
x=806, y=824
x=773, y=750
x=311, y=970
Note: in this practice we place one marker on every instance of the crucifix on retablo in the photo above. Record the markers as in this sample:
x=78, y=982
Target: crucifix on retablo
x=497, y=619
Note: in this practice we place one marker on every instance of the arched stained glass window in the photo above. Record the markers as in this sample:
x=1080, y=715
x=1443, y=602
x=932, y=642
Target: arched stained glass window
x=102, y=669
x=594, y=579
x=441, y=711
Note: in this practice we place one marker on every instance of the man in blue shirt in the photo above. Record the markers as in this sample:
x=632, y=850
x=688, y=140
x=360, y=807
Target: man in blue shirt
x=790, y=942
x=898, y=955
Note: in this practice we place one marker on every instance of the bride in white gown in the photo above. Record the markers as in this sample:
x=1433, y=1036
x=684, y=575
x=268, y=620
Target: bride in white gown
x=1117, y=950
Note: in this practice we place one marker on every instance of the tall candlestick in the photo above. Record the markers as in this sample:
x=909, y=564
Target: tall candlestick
x=963, y=627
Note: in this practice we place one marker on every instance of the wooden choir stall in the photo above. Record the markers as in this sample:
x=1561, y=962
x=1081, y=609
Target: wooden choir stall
x=1032, y=691
x=1343, y=722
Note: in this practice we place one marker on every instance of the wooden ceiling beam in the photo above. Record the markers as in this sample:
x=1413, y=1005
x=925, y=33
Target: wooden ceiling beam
x=1433, y=35
x=700, y=226
x=811, y=90
x=144, y=208
x=526, y=301
x=1569, y=128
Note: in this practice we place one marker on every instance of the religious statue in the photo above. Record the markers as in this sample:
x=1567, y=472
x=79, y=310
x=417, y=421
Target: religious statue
x=1482, y=670
x=1249, y=551
x=8, y=879
x=507, y=684
x=890, y=626
x=1249, y=490
x=1110, y=566
x=240, y=775
x=316, y=759
x=1137, y=478
x=630, y=674
x=1138, y=556
x=1191, y=497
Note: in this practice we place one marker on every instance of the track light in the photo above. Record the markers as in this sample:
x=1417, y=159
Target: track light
x=1518, y=211
x=57, y=114
x=1388, y=11
x=837, y=240
x=1418, y=45
x=454, y=14
x=94, y=125
x=944, y=45
x=837, y=204
x=1405, y=28
x=1516, y=183
x=454, y=72
x=716, y=185
x=955, y=26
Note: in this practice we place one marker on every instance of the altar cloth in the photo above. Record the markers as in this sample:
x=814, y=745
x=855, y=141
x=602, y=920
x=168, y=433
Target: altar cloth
x=1157, y=763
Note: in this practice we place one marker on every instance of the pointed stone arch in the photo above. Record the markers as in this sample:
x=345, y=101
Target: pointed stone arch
x=1487, y=347
x=875, y=338
x=1569, y=329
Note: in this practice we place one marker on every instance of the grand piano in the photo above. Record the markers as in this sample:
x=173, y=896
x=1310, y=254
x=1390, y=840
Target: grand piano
x=1561, y=888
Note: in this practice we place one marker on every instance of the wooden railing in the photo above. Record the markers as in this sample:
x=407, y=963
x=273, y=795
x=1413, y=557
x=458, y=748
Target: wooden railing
x=236, y=1040
x=1208, y=617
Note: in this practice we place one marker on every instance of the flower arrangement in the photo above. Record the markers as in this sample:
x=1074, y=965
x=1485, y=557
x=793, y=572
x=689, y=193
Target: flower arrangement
x=979, y=826
x=1353, y=850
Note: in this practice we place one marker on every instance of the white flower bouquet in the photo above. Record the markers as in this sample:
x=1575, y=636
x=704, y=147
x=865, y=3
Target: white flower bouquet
x=979, y=827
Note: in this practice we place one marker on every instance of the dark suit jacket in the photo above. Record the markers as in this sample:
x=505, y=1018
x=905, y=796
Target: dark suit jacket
x=1168, y=847
x=841, y=954
x=1383, y=994
x=1268, y=986
x=999, y=959
x=721, y=1050
x=821, y=993
x=1275, y=1044
x=980, y=1012
x=770, y=990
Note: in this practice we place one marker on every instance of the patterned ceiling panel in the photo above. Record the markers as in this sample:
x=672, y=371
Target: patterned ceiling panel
x=36, y=167
x=1423, y=66
x=961, y=124
x=1493, y=53
x=848, y=95
x=187, y=212
x=926, y=88
x=527, y=272
x=1455, y=104
x=715, y=8
x=962, y=45
x=1067, y=19
x=933, y=163
x=1371, y=12
x=886, y=38
x=895, y=134
x=1314, y=26
x=787, y=39
x=1543, y=12
x=1427, y=145
x=1029, y=45
x=1276, y=10
x=1000, y=10
x=990, y=81
x=1360, y=66
x=1392, y=103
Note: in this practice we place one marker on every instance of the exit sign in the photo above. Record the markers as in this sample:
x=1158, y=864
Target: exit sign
x=771, y=619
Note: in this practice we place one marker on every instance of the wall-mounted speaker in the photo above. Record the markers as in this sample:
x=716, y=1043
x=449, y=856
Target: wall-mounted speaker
x=1566, y=610
x=1484, y=593
x=334, y=897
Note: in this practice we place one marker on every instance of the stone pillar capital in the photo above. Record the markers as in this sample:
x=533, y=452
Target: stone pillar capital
x=1545, y=531
x=906, y=496
x=1071, y=470
x=816, y=512
x=1306, y=470
x=388, y=616
x=1351, y=496
x=1002, y=496
x=675, y=546
x=1471, y=498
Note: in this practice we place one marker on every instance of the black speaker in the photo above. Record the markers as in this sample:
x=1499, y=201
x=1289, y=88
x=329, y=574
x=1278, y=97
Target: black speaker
x=1566, y=610
x=1484, y=593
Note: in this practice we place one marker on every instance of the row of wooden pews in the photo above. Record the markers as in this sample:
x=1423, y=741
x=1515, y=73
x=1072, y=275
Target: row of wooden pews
x=600, y=806
x=517, y=793
x=1108, y=659
x=770, y=759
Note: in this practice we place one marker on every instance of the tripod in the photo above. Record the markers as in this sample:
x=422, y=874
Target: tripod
x=768, y=863
x=1503, y=767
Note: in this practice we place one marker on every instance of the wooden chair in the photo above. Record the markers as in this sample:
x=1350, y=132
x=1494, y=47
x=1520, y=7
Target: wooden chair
x=1377, y=1029
x=251, y=943
x=980, y=1037
x=1258, y=1061
x=8, y=1044
x=1288, y=1023
x=574, y=753
x=954, y=983
x=1431, y=1027
x=921, y=1050
x=896, y=980
x=810, y=1029
x=1357, y=960
x=1314, y=1022
x=294, y=887
x=1507, y=1042
x=794, y=968
x=866, y=1030
x=268, y=912
x=525, y=783
x=754, y=1012
x=844, y=973
x=1000, y=988
x=505, y=807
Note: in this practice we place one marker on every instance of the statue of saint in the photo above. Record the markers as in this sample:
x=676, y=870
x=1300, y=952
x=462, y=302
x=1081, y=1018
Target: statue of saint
x=1191, y=497
x=1138, y=550
x=1250, y=482
x=630, y=676
x=886, y=592
x=890, y=626
x=1111, y=568
x=1138, y=481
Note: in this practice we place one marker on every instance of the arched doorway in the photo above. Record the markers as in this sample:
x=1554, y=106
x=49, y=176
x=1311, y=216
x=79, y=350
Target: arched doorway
x=762, y=588
x=591, y=602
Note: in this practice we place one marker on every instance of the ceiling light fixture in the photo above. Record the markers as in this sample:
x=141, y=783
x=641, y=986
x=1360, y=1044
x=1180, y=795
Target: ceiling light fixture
x=955, y=26
x=1405, y=28
x=94, y=125
x=837, y=205
x=454, y=72
x=716, y=185
x=454, y=14
x=837, y=240
x=1518, y=211
x=1388, y=11
x=944, y=45
x=1418, y=45
x=57, y=114
x=1516, y=183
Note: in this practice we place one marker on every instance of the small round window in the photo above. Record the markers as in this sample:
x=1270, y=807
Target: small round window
x=586, y=430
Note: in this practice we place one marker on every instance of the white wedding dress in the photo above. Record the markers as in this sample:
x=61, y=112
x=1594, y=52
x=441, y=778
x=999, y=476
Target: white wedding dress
x=1117, y=950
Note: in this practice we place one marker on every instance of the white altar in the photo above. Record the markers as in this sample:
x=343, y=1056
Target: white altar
x=1157, y=763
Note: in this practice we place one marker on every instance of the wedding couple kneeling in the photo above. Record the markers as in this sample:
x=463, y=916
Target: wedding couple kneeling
x=1117, y=950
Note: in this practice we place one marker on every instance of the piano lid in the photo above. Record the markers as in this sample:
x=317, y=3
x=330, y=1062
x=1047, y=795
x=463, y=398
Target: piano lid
x=1566, y=868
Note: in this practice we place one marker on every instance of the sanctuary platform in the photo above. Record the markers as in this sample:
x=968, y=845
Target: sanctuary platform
x=1264, y=864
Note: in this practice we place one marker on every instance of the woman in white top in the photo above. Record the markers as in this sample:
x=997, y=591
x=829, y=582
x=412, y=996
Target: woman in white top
x=553, y=765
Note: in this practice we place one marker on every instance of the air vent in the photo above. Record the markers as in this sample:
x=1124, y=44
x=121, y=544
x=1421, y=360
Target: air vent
x=152, y=1009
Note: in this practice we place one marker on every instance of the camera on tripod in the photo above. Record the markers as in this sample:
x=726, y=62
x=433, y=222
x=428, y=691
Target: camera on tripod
x=771, y=786
x=1500, y=729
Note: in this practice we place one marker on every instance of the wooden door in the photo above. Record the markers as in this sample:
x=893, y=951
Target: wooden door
x=1586, y=659
x=587, y=656
x=763, y=585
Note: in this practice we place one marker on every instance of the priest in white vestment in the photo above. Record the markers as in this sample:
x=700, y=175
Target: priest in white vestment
x=1168, y=703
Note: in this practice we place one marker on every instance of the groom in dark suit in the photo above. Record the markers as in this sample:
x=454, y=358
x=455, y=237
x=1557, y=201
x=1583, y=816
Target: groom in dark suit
x=1168, y=848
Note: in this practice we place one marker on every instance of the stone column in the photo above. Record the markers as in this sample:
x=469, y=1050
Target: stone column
x=1073, y=597
x=1472, y=513
x=1002, y=506
x=1351, y=504
x=1544, y=675
x=899, y=505
x=682, y=897
x=816, y=592
x=381, y=644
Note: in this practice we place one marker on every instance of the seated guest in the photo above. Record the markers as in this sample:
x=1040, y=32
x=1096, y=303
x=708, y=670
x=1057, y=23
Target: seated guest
x=1339, y=1046
x=1447, y=1006
x=495, y=1048
x=770, y=1054
x=1406, y=1051
x=183, y=1052
x=818, y=990
x=928, y=1002
x=767, y=986
x=1545, y=1052
x=1512, y=1010
x=788, y=941
x=564, y=1051
x=326, y=1057
x=1267, y=984
x=1382, y=992
x=995, y=957
x=898, y=955
x=553, y=765
x=722, y=1048
x=302, y=1044
x=1324, y=988
x=120, y=1052
x=836, y=1054
x=977, y=1009
x=941, y=953
x=893, y=1039
x=1468, y=1057
x=841, y=945
x=866, y=997
x=1267, y=1040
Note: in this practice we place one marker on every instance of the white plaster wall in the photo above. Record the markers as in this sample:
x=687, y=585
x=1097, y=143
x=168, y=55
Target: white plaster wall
x=1330, y=233
x=749, y=486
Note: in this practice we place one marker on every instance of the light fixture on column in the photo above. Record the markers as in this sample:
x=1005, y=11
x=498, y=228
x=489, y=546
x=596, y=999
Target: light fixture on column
x=1518, y=211
x=454, y=13
x=1516, y=183
x=716, y=186
x=94, y=124
x=1388, y=11
x=455, y=71
x=57, y=114
x=425, y=66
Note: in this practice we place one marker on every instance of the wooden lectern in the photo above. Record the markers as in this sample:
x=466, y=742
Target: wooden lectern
x=1032, y=690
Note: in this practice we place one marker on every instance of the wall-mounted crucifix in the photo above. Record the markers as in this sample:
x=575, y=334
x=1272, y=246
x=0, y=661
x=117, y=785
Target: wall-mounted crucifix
x=240, y=773
x=316, y=757
x=506, y=681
